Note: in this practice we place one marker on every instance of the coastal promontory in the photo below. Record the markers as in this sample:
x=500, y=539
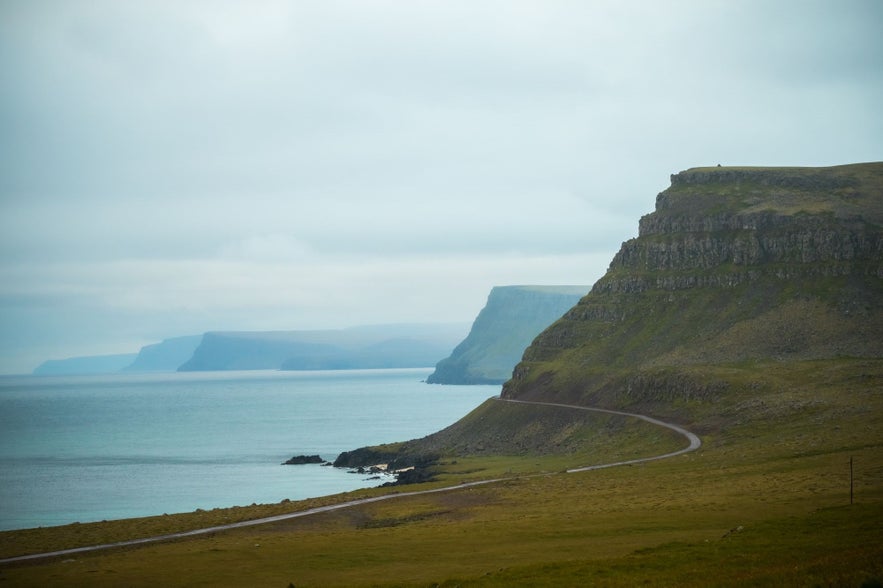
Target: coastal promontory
x=512, y=317
x=734, y=265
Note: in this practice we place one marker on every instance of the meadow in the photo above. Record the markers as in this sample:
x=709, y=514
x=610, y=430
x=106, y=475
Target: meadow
x=768, y=500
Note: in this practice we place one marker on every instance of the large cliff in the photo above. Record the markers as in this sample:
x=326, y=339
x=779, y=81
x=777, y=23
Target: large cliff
x=735, y=265
x=512, y=317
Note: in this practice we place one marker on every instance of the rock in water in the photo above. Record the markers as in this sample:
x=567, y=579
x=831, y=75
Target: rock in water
x=302, y=459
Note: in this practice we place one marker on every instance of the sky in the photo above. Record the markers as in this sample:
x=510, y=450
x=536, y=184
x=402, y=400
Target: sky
x=169, y=168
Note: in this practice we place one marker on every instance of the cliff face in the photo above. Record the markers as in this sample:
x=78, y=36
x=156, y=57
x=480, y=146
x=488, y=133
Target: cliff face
x=512, y=317
x=735, y=264
x=165, y=356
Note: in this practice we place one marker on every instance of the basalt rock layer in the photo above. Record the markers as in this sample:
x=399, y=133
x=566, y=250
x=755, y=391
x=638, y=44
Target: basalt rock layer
x=735, y=265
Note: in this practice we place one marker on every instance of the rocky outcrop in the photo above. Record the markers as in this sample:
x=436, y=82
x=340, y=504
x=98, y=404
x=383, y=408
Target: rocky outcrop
x=303, y=459
x=735, y=264
x=408, y=467
x=512, y=317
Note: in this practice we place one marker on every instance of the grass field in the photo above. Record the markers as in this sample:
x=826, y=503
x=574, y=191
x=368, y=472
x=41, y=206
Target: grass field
x=764, y=502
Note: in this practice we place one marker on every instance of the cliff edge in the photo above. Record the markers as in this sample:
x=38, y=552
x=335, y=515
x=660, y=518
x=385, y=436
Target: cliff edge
x=735, y=265
x=512, y=317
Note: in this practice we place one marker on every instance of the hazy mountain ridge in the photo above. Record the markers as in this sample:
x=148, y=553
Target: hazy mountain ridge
x=85, y=365
x=512, y=317
x=361, y=347
x=164, y=356
x=380, y=346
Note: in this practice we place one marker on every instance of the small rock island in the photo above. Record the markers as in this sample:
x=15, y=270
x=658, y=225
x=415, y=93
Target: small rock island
x=303, y=459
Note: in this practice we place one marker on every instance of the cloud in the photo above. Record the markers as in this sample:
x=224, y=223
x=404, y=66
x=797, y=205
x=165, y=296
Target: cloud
x=216, y=165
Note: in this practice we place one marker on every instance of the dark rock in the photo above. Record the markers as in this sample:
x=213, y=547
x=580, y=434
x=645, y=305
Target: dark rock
x=365, y=456
x=302, y=459
x=415, y=475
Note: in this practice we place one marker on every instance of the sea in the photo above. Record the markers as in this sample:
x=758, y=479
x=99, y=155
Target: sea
x=92, y=448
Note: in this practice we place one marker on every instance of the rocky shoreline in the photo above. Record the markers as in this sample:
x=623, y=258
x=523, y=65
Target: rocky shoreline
x=399, y=473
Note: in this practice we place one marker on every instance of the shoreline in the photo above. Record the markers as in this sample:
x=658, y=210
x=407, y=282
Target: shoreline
x=694, y=443
x=134, y=446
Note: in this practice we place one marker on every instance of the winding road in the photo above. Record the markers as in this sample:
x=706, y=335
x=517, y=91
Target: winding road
x=694, y=444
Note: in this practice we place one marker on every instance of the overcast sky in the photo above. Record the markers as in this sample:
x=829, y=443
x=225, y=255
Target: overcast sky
x=173, y=167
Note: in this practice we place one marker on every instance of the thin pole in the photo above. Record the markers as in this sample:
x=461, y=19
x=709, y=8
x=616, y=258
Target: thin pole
x=850, y=480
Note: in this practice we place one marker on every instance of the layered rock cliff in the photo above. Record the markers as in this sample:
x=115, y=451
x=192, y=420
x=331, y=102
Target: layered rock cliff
x=734, y=265
x=512, y=317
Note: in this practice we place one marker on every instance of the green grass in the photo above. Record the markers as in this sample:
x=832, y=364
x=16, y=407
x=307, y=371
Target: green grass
x=844, y=190
x=774, y=462
x=769, y=553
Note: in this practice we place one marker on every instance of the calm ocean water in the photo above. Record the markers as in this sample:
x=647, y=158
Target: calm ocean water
x=89, y=448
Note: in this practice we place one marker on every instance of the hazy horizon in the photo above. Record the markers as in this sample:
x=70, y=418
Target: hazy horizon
x=175, y=168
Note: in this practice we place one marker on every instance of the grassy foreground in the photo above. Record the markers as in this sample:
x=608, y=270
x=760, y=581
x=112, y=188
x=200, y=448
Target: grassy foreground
x=765, y=502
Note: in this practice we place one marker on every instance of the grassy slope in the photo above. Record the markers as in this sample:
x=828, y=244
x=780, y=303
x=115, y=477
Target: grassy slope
x=855, y=189
x=776, y=465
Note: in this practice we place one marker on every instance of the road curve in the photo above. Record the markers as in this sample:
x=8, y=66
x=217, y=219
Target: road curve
x=694, y=444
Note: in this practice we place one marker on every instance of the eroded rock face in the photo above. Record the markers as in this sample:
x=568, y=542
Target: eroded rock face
x=727, y=253
x=743, y=240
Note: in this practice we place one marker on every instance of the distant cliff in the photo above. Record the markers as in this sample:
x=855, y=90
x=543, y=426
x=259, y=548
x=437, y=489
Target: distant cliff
x=381, y=346
x=734, y=265
x=165, y=356
x=512, y=317
x=85, y=365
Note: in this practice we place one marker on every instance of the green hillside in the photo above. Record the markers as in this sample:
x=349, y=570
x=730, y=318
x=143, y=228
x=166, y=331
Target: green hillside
x=735, y=265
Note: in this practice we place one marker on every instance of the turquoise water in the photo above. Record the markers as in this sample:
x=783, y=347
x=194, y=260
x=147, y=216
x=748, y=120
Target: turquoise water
x=89, y=448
